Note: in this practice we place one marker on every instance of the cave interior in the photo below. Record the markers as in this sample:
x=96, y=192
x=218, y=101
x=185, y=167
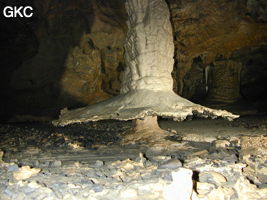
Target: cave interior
x=71, y=54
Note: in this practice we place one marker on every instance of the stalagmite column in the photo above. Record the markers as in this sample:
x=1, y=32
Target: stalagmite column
x=147, y=83
x=149, y=47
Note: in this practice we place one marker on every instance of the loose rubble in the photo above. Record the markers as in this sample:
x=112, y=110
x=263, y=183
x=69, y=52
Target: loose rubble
x=228, y=167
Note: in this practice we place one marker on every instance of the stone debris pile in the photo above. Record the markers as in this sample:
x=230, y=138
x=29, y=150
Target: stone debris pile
x=199, y=176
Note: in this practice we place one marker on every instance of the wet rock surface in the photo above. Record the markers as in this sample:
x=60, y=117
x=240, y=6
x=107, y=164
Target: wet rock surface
x=87, y=161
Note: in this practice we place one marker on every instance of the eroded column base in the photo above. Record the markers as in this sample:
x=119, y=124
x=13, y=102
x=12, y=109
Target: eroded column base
x=146, y=131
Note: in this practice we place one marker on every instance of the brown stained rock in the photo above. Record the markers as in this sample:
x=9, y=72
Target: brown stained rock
x=203, y=27
x=77, y=60
x=145, y=131
x=93, y=67
x=208, y=30
x=199, y=153
x=82, y=77
x=1, y=157
x=254, y=145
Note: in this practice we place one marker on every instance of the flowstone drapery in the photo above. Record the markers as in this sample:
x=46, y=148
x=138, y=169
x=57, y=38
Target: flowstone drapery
x=147, y=83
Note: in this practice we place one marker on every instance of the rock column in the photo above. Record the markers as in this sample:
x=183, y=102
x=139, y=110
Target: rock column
x=149, y=47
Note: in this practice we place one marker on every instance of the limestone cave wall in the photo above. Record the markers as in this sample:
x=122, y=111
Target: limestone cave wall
x=225, y=39
x=71, y=53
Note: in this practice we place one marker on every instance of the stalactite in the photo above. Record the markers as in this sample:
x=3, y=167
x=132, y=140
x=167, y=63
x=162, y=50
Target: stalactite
x=207, y=70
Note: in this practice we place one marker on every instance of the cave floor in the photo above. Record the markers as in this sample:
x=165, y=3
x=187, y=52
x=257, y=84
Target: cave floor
x=87, y=161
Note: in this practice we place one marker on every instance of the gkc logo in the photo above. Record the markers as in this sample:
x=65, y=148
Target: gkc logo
x=22, y=11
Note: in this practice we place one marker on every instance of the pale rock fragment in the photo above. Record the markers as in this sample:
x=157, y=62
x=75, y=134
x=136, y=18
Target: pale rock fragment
x=56, y=163
x=221, y=143
x=170, y=164
x=220, y=193
x=198, y=138
x=182, y=186
x=128, y=193
x=248, y=191
x=25, y=172
x=34, y=184
x=141, y=159
x=99, y=163
x=204, y=188
x=212, y=177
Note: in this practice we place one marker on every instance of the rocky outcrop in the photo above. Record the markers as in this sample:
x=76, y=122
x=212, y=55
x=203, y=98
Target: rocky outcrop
x=78, y=59
x=82, y=77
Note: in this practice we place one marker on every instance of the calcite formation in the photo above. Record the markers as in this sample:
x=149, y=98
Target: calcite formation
x=147, y=83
